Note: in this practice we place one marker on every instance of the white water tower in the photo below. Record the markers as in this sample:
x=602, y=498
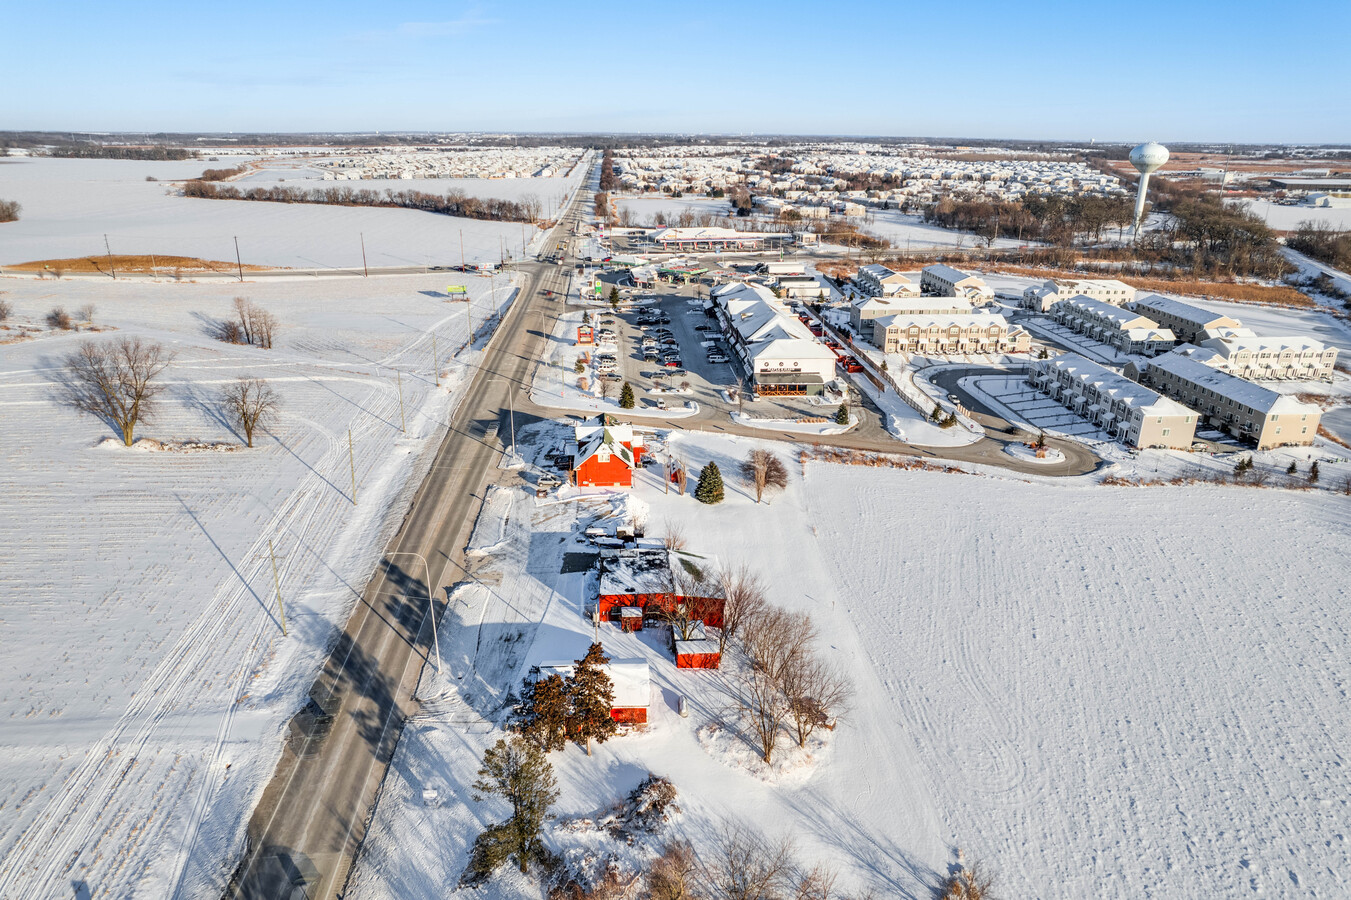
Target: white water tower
x=1146, y=158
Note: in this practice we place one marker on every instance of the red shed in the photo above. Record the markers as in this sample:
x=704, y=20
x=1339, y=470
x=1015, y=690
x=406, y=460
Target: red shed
x=698, y=652
x=632, y=682
x=642, y=577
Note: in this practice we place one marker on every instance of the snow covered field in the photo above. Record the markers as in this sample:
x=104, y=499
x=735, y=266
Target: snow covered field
x=645, y=208
x=1288, y=218
x=145, y=684
x=908, y=231
x=1091, y=706
x=69, y=205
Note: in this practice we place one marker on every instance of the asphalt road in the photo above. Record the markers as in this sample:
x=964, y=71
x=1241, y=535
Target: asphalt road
x=312, y=817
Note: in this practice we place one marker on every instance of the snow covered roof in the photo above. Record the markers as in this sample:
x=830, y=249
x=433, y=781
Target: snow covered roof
x=1185, y=364
x=1177, y=309
x=641, y=570
x=1119, y=387
x=948, y=273
x=1119, y=317
x=943, y=320
x=912, y=304
x=631, y=678
x=1230, y=344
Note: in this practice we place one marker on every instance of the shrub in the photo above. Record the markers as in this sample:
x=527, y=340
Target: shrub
x=5, y=310
x=9, y=210
x=59, y=318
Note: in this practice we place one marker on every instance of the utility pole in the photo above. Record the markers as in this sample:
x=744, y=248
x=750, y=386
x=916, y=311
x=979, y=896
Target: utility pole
x=239, y=262
x=402, y=425
x=352, y=462
x=276, y=579
x=366, y=271
x=111, y=267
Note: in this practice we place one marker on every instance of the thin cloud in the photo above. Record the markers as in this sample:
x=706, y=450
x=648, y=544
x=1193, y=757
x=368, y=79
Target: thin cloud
x=443, y=29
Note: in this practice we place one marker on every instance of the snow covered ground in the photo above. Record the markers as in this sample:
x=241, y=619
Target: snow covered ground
x=1288, y=218
x=145, y=684
x=908, y=231
x=1090, y=707
x=644, y=209
x=69, y=205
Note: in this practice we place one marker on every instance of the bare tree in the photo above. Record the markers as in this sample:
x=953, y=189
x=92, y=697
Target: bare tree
x=59, y=318
x=696, y=592
x=6, y=310
x=744, y=599
x=674, y=536
x=764, y=469
x=744, y=865
x=250, y=403
x=740, y=394
x=762, y=706
x=673, y=873
x=818, y=693
x=114, y=381
x=86, y=313
x=778, y=640
x=607, y=388
x=971, y=882
x=252, y=325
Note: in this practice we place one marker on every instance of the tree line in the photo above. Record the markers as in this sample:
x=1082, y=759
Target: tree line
x=452, y=203
x=97, y=151
x=1316, y=239
x=608, y=180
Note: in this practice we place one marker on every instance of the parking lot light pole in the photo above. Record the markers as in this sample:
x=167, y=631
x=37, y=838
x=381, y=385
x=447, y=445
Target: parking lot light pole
x=431, y=608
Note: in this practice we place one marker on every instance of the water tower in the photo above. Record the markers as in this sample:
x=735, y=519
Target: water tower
x=1146, y=158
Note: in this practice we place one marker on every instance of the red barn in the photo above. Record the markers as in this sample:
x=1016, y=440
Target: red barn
x=605, y=453
x=644, y=577
x=698, y=652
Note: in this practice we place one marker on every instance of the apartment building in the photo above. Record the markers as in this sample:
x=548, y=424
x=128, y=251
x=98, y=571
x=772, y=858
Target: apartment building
x=945, y=281
x=1126, y=331
x=864, y=310
x=1130, y=412
x=947, y=333
x=879, y=281
x=1228, y=402
x=1045, y=295
x=1293, y=358
x=1185, y=321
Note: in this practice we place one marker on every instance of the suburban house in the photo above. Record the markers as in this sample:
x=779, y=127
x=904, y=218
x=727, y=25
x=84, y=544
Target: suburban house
x=773, y=346
x=1257, y=358
x=605, y=452
x=879, y=281
x=949, y=333
x=1125, y=331
x=1045, y=295
x=1227, y=402
x=945, y=281
x=699, y=651
x=631, y=679
x=656, y=581
x=1185, y=321
x=1130, y=412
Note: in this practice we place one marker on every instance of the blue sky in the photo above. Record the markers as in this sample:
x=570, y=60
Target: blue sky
x=1205, y=71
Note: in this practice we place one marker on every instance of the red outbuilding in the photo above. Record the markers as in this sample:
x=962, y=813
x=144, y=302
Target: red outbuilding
x=645, y=576
x=697, y=652
x=605, y=453
x=630, y=679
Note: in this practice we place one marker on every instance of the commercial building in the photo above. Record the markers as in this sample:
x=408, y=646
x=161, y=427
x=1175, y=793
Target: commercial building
x=945, y=281
x=1129, y=412
x=1124, y=330
x=945, y=334
x=1272, y=358
x=1185, y=321
x=777, y=351
x=864, y=310
x=605, y=452
x=807, y=287
x=1045, y=295
x=715, y=238
x=879, y=281
x=1229, y=403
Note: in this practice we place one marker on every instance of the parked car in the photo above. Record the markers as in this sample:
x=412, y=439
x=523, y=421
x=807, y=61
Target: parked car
x=672, y=363
x=716, y=358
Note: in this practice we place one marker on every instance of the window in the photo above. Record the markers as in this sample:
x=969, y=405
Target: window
x=1166, y=431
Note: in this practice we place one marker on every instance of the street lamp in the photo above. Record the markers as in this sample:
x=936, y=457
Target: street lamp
x=431, y=610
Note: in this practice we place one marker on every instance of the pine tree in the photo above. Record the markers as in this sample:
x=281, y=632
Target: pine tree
x=614, y=297
x=520, y=773
x=591, y=696
x=579, y=367
x=842, y=414
x=1313, y=472
x=626, y=396
x=937, y=414
x=543, y=713
x=709, y=488
x=1293, y=468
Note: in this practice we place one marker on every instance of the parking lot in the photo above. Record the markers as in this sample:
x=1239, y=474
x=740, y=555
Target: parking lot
x=671, y=318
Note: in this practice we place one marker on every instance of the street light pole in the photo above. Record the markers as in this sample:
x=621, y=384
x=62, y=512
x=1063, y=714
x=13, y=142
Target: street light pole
x=431, y=610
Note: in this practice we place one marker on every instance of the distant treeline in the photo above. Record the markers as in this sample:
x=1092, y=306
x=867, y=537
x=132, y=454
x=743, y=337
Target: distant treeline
x=222, y=174
x=1321, y=241
x=452, y=203
x=95, y=151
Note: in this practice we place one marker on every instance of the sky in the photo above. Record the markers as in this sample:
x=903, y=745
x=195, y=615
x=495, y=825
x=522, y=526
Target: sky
x=1188, y=70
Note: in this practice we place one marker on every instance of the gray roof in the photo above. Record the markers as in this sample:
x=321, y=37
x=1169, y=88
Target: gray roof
x=1181, y=363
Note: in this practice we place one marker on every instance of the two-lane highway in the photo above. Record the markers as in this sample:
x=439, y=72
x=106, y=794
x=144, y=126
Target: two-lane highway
x=312, y=818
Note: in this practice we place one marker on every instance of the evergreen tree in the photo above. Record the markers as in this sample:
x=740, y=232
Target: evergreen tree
x=591, y=696
x=579, y=367
x=614, y=297
x=842, y=414
x=520, y=773
x=626, y=396
x=709, y=488
x=586, y=317
x=1293, y=468
x=543, y=712
x=937, y=414
x=1313, y=472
